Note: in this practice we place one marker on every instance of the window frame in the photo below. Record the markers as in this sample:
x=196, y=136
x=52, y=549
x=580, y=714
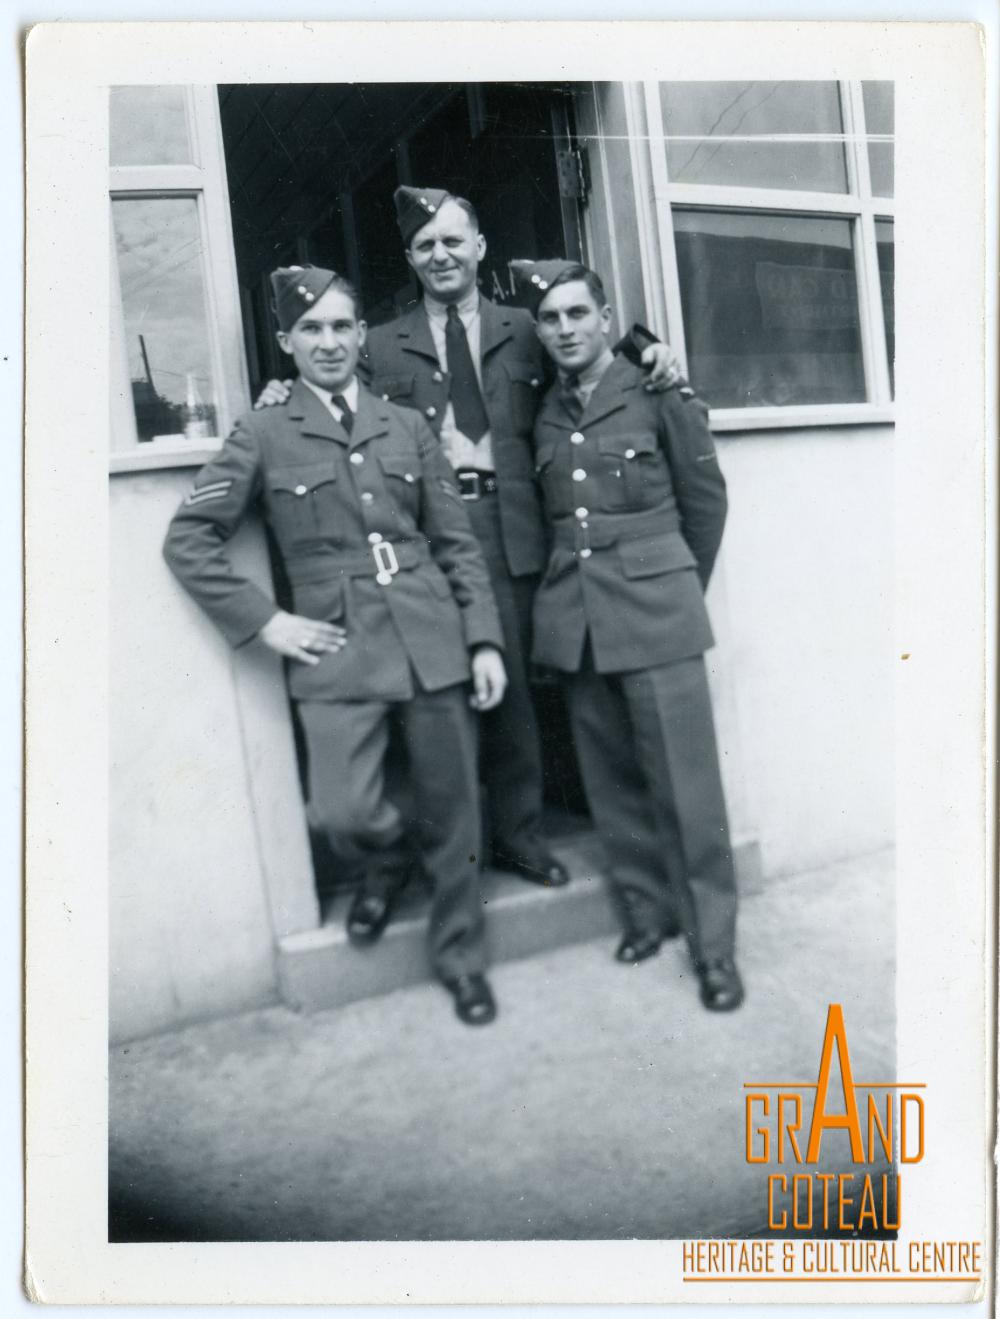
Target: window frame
x=656, y=199
x=203, y=181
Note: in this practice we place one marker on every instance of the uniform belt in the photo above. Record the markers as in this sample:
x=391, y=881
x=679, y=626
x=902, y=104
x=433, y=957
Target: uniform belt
x=382, y=560
x=474, y=484
x=598, y=531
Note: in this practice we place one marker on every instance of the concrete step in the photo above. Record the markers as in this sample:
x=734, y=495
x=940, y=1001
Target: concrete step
x=319, y=969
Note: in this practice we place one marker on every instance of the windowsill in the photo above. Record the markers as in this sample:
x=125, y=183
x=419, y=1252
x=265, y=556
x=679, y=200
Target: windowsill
x=722, y=420
x=155, y=456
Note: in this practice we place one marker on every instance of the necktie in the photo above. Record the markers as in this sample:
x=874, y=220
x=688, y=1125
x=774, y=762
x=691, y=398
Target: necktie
x=346, y=415
x=466, y=400
x=569, y=392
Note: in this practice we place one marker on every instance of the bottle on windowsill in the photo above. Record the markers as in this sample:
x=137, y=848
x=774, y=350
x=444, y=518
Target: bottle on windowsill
x=196, y=417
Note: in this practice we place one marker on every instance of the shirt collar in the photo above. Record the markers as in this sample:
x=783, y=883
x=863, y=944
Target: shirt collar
x=438, y=311
x=349, y=393
x=591, y=375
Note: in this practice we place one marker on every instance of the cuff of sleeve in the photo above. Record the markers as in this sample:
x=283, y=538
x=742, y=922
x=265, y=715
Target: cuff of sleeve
x=244, y=615
x=634, y=343
x=482, y=628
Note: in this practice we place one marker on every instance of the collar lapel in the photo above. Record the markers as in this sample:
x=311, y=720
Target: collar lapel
x=611, y=391
x=313, y=418
x=413, y=330
x=494, y=326
x=370, y=420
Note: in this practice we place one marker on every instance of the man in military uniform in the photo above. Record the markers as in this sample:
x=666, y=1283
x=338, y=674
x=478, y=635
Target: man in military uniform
x=637, y=504
x=392, y=598
x=476, y=372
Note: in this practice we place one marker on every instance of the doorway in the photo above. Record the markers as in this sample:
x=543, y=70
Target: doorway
x=311, y=172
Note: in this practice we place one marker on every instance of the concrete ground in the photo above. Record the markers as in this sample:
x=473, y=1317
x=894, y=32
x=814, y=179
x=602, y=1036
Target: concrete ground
x=605, y=1102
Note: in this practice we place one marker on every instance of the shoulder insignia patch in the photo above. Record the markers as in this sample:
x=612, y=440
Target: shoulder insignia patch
x=201, y=494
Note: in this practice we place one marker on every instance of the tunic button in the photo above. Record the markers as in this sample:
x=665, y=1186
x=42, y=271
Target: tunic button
x=585, y=554
x=357, y=459
x=534, y=381
x=576, y=438
x=301, y=489
x=409, y=477
x=629, y=453
x=437, y=377
x=582, y=513
x=431, y=411
x=385, y=398
x=374, y=537
x=367, y=497
x=579, y=474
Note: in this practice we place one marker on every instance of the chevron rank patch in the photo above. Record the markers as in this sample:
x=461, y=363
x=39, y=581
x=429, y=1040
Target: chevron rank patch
x=201, y=494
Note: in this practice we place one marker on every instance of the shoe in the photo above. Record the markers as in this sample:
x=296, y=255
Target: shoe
x=367, y=918
x=474, y=1001
x=721, y=986
x=539, y=867
x=637, y=945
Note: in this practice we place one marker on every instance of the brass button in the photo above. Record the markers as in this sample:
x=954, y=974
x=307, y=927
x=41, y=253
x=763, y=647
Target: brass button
x=535, y=381
x=367, y=497
x=357, y=459
x=576, y=438
x=431, y=411
x=385, y=398
x=374, y=537
x=585, y=554
x=437, y=377
x=629, y=453
x=582, y=513
x=579, y=474
x=409, y=477
x=301, y=489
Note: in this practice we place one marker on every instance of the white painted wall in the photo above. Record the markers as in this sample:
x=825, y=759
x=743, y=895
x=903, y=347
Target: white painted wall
x=191, y=919
x=802, y=608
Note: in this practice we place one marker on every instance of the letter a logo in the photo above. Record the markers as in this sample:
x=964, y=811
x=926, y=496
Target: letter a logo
x=836, y=1035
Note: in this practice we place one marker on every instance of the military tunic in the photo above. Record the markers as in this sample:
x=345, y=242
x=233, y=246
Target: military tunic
x=637, y=503
x=374, y=536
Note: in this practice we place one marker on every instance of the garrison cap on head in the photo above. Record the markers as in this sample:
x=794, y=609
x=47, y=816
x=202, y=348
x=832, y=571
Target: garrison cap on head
x=415, y=206
x=533, y=279
x=296, y=288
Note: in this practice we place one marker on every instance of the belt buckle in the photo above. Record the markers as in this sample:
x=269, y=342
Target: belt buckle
x=385, y=561
x=473, y=478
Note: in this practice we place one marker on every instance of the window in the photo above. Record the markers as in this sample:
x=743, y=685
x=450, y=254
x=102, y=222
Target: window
x=773, y=205
x=180, y=376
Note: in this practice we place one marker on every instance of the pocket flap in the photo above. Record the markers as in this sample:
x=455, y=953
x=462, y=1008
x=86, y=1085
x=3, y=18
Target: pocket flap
x=627, y=446
x=649, y=556
x=525, y=373
x=394, y=464
x=300, y=480
x=390, y=387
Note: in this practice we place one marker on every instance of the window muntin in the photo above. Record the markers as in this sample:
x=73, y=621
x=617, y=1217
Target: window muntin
x=160, y=254
x=150, y=126
x=770, y=308
x=755, y=134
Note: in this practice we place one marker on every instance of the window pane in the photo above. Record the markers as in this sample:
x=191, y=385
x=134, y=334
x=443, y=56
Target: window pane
x=880, y=122
x=159, y=247
x=149, y=126
x=770, y=308
x=706, y=124
x=887, y=279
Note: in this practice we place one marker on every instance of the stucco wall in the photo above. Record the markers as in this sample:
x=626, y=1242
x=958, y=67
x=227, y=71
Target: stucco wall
x=191, y=925
x=803, y=615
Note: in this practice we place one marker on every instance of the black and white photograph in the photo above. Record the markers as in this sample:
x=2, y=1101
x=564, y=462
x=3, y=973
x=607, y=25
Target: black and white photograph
x=504, y=664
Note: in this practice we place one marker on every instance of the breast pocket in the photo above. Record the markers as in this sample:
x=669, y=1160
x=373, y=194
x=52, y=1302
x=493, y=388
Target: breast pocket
x=302, y=501
x=401, y=474
x=393, y=389
x=634, y=471
x=524, y=384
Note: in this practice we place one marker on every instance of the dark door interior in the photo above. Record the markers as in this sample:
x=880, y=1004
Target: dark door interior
x=312, y=169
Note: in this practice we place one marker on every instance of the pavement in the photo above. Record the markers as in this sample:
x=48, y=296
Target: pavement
x=604, y=1102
